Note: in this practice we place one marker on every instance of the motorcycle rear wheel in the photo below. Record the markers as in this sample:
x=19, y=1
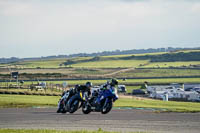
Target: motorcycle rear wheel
x=86, y=109
x=73, y=105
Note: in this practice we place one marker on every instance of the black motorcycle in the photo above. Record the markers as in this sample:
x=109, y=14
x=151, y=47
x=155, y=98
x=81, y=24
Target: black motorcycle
x=76, y=101
x=62, y=103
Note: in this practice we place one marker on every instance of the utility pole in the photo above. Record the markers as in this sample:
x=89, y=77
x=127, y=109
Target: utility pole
x=10, y=74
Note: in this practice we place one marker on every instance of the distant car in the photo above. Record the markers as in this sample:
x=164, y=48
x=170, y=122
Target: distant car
x=138, y=92
x=122, y=88
x=197, y=89
x=95, y=88
x=188, y=89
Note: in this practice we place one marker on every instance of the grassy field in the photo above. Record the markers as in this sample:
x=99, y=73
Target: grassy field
x=127, y=55
x=48, y=63
x=64, y=71
x=158, y=104
x=93, y=71
x=27, y=100
x=111, y=64
x=159, y=73
x=171, y=64
x=30, y=101
x=32, y=92
x=100, y=73
x=55, y=63
x=54, y=131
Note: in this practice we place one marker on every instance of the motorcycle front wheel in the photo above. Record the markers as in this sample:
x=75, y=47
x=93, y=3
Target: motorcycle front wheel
x=107, y=108
x=61, y=108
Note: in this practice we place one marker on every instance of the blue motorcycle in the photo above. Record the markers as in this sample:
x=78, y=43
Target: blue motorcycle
x=101, y=101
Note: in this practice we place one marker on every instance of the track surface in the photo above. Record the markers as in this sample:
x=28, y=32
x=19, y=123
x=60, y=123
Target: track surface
x=116, y=120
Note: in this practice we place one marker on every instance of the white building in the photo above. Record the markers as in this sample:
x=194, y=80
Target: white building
x=172, y=92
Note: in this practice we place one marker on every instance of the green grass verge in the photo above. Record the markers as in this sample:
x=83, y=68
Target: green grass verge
x=30, y=101
x=51, y=63
x=54, y=131
x=27, y=100
x=28, y=91
x=170, y=106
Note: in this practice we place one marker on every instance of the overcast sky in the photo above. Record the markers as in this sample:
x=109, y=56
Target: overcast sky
x=33, y=28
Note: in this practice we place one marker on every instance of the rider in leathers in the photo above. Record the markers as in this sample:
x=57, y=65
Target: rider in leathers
x=85, y=88
x=109, y=85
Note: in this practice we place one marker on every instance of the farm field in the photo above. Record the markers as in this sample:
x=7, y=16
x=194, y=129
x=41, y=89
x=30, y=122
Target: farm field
x=99, y=73
x=127, y=55
x=66, y=71
x=111, y=64
x=171, y=64
x=55, y=63
x=159, y=73
x=106, y=67
x=58, y=63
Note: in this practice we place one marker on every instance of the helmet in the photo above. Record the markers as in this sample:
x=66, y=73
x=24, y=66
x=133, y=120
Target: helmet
x=88, y=84
x=114, y=82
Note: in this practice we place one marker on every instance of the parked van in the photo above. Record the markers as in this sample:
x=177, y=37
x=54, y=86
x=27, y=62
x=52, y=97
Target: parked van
x=121, y=88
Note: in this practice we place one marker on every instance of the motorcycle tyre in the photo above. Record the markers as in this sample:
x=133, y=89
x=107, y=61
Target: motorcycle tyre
x=109, y=107
x=61, y=109
x=86, y=111
x=70, y=103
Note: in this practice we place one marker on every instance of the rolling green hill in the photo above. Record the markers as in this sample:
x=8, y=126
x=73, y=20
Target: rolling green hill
x=166, y=60
x=190, y=58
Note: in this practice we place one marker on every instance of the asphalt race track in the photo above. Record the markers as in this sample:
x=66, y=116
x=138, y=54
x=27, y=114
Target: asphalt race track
x=116, y=120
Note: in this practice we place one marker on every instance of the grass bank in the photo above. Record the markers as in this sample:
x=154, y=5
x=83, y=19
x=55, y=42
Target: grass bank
x=169, y=106
x=30, y=101
x=48, y=92
x=53, y=131
x=7, y=101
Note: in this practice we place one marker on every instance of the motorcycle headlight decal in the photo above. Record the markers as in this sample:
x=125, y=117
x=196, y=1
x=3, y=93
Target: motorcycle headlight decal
x=101, y=97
